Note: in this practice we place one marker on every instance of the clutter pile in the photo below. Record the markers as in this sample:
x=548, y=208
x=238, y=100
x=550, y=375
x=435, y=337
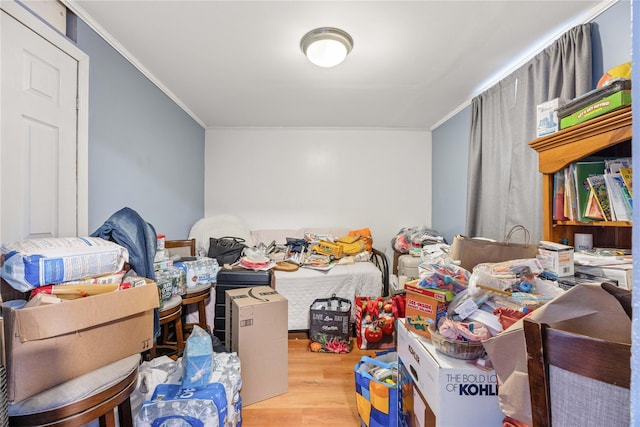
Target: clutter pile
x=73, y=292
x=315, y=251
x=203, y=385
x=411, y=239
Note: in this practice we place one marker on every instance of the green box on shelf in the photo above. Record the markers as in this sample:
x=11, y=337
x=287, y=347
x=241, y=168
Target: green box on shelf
x=605, y=105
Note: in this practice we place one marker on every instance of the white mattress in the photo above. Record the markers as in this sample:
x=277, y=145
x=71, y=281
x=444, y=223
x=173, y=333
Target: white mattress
x=303, y=286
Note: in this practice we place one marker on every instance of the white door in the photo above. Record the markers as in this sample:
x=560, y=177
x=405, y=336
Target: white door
x=39, y=139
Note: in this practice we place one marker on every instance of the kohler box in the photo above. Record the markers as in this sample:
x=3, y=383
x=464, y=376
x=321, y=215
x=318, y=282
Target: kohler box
x=456, y=392
x=256, y=320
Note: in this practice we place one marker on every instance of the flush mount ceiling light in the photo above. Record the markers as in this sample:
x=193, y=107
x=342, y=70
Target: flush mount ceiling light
x=326, y=47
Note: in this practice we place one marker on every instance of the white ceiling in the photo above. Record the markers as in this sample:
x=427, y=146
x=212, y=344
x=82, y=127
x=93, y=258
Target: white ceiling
x=414, y=63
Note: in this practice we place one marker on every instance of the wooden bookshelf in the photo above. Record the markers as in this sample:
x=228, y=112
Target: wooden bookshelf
x=607, y=135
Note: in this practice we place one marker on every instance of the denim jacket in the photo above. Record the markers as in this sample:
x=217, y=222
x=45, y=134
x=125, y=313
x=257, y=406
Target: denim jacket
x=127, y=228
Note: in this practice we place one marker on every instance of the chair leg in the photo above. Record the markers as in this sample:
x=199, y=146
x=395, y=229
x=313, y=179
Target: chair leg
x=124, y=413
x=107, y=420
x=180, y=343
x=202, y=314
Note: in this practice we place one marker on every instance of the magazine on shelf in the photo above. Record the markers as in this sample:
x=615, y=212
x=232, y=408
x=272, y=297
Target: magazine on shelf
x=627, y=177
x=620, y=208
x=582, y=171
x=614, y=165
x=570, y=205
x=593, y=210
x=599, y=193
x=559, y=196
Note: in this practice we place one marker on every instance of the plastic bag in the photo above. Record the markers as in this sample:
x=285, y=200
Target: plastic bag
x=415, y=237
x=194, y=413
x=330, y=325
x=436, y=253
x=197, y=360
x=517, y=275
x=446, y=277
x=510, y=284
x=375, y=320
x=377, y=390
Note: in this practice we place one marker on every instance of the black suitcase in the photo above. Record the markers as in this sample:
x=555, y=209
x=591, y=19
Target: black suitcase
x=232, y=279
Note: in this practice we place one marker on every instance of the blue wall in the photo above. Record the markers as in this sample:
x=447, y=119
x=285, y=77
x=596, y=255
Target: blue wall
x=611, y=38
x=145, y=152
x=449, y=180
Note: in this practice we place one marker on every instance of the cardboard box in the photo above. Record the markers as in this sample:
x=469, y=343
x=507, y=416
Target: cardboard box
x=425, y=306
x=556, y=259
x=609, y=103
x=414, y=410
x=50, y=344
x=622, y=273
x=257, y=329
x=547, y=121
x=456, y=392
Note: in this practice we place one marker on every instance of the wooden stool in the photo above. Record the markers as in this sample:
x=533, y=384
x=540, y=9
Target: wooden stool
x=171, y=314
x=197, y=295
x=81, y=400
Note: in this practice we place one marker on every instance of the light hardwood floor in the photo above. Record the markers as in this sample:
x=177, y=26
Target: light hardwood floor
x=321, y=390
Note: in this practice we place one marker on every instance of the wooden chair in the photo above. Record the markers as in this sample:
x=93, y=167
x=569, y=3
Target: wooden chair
x=576, y=380
x=81, y=400
x=197, y=296
x=170, y=319
x=184, y=248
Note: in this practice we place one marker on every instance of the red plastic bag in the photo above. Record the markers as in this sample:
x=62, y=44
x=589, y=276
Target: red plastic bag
x=375, y=321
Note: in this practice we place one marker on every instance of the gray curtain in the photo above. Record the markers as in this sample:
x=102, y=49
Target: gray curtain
x=503, y=182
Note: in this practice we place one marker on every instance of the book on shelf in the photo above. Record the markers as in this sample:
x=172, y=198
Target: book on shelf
x=627, y=177
x=574, y=198
x=593, y=211
x=559, y=196
x=570, y=205
x=600, y=195
x=614, y=165
x=583, y=170
x=620, y=207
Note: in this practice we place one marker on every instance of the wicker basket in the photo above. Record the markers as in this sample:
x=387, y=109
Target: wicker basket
x=467, y=350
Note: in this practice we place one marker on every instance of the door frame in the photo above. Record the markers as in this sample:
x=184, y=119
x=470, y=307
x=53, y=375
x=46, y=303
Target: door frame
x=34, y=23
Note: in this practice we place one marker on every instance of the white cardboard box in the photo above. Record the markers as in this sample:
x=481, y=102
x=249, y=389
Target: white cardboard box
x=623, y=273
x=457, y=392
x=257, y=329
x=414, y=410
x=556, y=258
x=547, y=118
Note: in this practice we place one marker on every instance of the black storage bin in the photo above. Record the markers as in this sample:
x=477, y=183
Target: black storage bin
x=232, y=279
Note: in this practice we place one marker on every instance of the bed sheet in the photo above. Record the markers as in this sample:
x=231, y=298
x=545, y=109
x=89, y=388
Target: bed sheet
x=305, y=285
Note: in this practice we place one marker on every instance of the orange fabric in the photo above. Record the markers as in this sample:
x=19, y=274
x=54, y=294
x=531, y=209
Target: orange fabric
x=508, y=316
x=511, y=422
x=365, y=236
